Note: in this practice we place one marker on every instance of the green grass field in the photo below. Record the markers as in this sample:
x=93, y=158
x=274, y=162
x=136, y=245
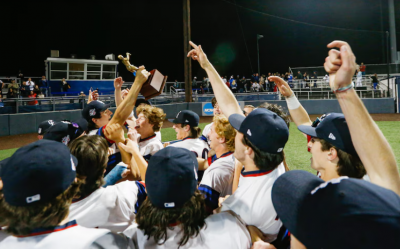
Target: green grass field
x=295, y=150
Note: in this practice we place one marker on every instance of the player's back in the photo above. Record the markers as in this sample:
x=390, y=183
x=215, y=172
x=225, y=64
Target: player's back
x=222, y=230
x=197, y=146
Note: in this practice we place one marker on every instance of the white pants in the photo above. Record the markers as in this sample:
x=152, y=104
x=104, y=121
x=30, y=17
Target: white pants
x=359, y=82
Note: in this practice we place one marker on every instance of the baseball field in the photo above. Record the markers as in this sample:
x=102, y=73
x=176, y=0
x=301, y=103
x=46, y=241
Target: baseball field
x=295, y=150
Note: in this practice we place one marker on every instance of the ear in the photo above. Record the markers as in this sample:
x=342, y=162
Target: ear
x=332, y=155
x=94, y=120
x=187, y=128
x=249, y=151
x=221, y=140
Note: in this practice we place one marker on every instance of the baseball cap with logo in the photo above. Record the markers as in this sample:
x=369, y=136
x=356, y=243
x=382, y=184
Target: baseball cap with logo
x=44, y=126
x=187, y=117
x=263, y=128
x=171, y=177
x=93, y=110
x=33, y=176
x=343, y=213
x=66, y=131
x=333, y=129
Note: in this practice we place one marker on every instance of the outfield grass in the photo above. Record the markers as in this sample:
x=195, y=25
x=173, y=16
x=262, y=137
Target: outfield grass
x=296, y=149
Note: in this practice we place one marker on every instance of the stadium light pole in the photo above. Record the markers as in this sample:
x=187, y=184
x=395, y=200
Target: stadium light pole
x=258, y=54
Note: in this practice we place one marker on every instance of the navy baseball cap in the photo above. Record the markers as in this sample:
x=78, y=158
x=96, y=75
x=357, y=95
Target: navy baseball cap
x=141, y=101
x=171, y=177
x=44, y=126
x=265, y=129
x=341, y=213
x=93, y=110
x=66, y=131
x=187, y=117
x=333, y=129
x=33, y=175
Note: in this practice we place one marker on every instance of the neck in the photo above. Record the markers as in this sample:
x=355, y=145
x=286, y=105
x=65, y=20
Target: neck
x=64, y=221
x=249, y=165
x=220, y=150
x=329, y=174
x=146, y=134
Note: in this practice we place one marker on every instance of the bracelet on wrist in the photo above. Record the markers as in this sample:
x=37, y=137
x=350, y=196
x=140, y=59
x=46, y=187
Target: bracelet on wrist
x=344, y=89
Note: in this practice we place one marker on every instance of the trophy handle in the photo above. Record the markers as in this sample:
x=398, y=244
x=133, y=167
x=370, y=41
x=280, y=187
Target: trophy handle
x=125, y=61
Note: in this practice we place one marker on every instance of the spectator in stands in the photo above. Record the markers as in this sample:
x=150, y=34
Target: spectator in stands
x=2, y=85
x=176, y=84
x=299, y=77
x=30, y=84
x=1, y=100
x=262, y=83
x=65, y=85
x=11, y=94
x=257, y=78
x=375, y=80
x=36, y=90
x=363, y=69
x=234, y=85
x=243, y=85
x=315, y=77
x=43, y=85
x=33, y=96
x=326, y=79
x=290, y=80
x=15, y=87
x=240, y=83
x=268, y=83
x=359, y=79
x=306, y=78
x=194, y=82
x=255, y=87
x=24, y=90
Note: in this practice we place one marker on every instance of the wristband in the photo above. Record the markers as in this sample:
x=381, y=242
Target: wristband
x=292, y=102
x=344, y=89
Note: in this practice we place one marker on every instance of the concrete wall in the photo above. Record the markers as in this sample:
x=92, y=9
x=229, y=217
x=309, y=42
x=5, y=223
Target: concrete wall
x=15, y=124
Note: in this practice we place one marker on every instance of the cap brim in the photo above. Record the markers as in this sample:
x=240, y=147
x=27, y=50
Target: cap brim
x=236, y=120
x=308, y=130
x=288, y=194
x=173, y=120
x=106, y=106
x=74, y=160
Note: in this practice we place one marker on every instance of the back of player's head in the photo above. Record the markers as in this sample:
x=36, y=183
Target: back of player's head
x=155, y=115
x=266, y=133
x=214, y=101
x=38, y=186
x=173, y=198
x=224, y=128
x=92, y=154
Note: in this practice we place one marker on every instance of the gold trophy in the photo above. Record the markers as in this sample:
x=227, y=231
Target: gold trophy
x=155, y=83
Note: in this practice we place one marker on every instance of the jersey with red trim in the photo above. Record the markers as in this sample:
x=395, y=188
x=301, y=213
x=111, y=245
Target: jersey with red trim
x=252, y=201
x=222, y=231
x=149, y=146
x=206, y=130
x=197, y=146
x=113, y=207
x=217, y=179
x=66, y=236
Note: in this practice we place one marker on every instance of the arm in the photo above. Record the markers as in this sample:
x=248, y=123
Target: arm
x=369, y=142
x=114, y=132
x=236, y=176
x=296, y=110
x=117, y=85
x=224, y=96
x=203, y=163
x=125, y=108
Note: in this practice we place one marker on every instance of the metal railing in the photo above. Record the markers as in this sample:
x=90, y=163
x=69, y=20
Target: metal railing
x=313, y=95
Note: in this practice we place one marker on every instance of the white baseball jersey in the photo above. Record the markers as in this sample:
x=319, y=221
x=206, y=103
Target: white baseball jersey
x=222, y=230
x=158, y=135
x=197, y=146
x=68, y=236
x=113, y=207
x=217, y=179
x=252, y=201
x=206, y=130
x=149, y=146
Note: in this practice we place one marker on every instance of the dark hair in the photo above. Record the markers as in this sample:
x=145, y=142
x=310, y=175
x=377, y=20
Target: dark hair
x=23, y=220
x=214, y=101
x=348, y=165
x=91, y=125
x=92, y=154
x=264, y=160
x=155, y=221
x=278, y=110
x=194, y=132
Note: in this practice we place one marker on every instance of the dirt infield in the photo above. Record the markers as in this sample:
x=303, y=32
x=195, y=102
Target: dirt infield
x=16, y=141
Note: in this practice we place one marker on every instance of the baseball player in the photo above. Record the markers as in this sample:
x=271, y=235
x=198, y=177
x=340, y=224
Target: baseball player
x=36, y=199
x=43, y=127
x=218, y=177
x=207, y=128
x=187, y=131
x=113, y=207
x=177, y=208
x=65, y=131
x=150, y=120
x=259, y=142
x=98, y=115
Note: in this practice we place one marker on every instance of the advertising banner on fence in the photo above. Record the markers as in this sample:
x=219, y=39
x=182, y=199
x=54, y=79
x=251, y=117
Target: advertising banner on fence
x=208, y=110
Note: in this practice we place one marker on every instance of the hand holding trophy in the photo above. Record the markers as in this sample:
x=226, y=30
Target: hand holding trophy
x=155, y=82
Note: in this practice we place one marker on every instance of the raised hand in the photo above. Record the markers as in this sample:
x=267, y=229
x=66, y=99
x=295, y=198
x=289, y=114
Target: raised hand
x=114, y=132
x=284, y=88
x=198, y=54
x=340, y=65
x=118, y=83
x=141, y=76
x=124, y=93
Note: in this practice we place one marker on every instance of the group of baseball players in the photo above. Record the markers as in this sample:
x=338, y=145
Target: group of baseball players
x=83, y=184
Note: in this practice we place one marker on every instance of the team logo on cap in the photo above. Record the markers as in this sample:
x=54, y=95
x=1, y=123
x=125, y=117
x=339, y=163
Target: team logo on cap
x=33, y=198
x=332, y=137
x=169, y=204
x=51, y=122
x=40, y=130
x=66, y=122
x=280, y=150
x=92, y=112
x=187, y=121
x=65, y=140
x=249, y=132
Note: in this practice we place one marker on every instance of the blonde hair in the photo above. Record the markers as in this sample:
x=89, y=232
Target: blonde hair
x=155, y=115
x=224, y=129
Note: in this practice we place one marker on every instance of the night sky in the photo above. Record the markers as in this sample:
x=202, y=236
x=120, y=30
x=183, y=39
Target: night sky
x=152, y=31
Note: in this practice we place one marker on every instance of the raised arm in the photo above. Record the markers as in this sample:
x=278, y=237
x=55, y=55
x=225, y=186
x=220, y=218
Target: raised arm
x=225, y=98
x=117, y=86
x=369, y=142
x=125, y=108
x=298, y=114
